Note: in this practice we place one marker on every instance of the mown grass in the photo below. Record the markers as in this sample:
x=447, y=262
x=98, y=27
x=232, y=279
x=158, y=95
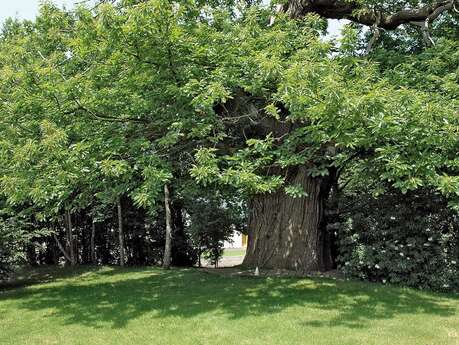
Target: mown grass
x=234, y=252
x=185, y=306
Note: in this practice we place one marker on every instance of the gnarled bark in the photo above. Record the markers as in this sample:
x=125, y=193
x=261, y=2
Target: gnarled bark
x=290, y=233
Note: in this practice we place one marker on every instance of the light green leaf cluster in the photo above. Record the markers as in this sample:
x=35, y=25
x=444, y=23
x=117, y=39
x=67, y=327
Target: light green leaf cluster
x=119, y=101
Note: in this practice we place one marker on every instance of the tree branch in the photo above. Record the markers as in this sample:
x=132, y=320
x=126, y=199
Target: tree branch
x=106, y=117
x=376, y=33
x=356, y=12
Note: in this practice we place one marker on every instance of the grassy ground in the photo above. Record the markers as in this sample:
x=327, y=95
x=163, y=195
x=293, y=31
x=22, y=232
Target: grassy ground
x=234, y=252
x=152, y=306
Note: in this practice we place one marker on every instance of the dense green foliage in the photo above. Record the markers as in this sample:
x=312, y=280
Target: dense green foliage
x=213, y=218
x=18, y=234
x=98, y=119
x=12, y=241
x=187, y=307
x=408, y=239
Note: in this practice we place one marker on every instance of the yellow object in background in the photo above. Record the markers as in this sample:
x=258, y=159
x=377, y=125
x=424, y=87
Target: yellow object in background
x=244, y=240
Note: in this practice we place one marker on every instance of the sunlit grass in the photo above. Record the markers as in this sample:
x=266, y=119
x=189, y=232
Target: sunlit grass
x=152, y=306
x=234, y=252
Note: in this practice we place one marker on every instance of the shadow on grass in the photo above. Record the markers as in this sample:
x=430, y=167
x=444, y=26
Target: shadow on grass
x=26, y=276
x=111, y=298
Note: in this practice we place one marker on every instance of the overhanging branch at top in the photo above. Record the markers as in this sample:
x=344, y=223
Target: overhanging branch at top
x=356, y=12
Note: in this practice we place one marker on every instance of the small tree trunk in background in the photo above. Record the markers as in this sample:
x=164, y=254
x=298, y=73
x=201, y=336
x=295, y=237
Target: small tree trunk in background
x=55, y=251
x=70, y=239
x=120, y=232
x=62, y=249
x=31, y=255
x=167, y=248
x=93, y=247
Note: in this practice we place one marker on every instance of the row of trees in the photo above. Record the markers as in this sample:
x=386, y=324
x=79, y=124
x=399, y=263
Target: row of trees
x=125, y=235
x=108, y=110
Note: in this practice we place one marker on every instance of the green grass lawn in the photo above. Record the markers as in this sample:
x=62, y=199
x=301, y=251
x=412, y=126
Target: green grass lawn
x=185, y=306
x=234, y=252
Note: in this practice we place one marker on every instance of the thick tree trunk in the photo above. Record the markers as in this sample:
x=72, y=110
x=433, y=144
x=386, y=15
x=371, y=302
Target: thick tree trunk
x=168, y=245
x=93, y=245
x=70, y=239
x=120, y=232
x=290, y=233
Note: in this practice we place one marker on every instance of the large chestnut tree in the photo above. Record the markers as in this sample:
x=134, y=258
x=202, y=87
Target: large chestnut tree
x=121, y=96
